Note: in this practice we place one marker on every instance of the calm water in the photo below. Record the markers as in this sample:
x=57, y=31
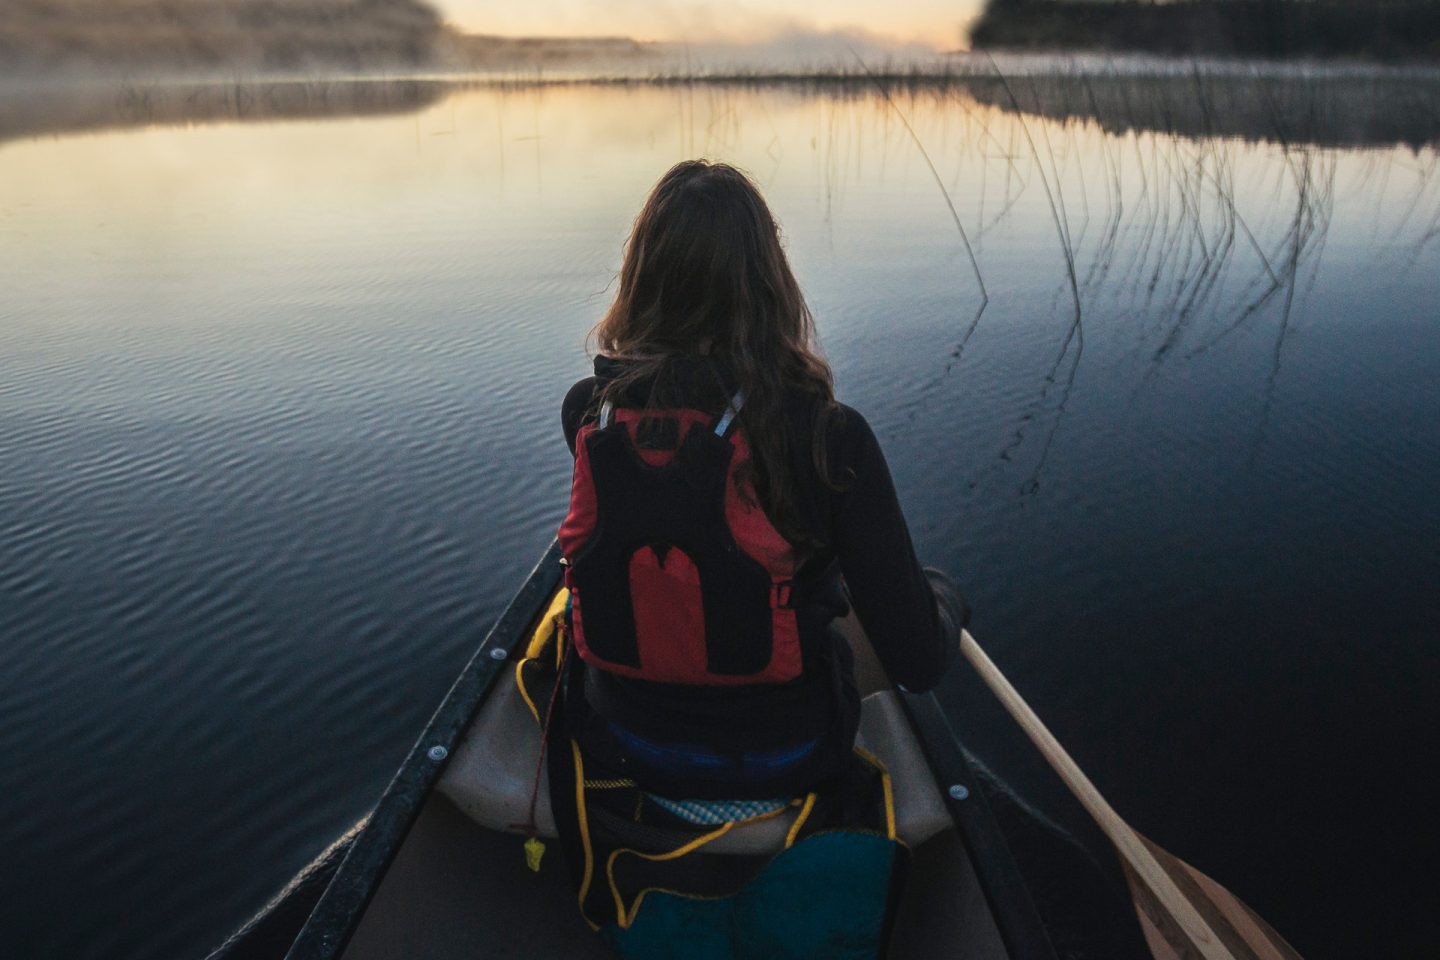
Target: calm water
x=279, y=436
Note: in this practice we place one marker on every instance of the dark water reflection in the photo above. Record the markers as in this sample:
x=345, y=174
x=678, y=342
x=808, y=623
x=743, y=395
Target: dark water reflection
x=278, y=437
x=1316, y=107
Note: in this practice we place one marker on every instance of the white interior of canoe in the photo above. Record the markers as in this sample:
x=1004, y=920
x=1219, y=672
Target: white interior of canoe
x=459, y=886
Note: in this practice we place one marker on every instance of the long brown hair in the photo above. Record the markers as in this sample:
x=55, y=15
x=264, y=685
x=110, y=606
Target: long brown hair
x=705, y=274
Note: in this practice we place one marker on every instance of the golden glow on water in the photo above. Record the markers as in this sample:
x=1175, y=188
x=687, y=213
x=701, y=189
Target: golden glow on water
x=504, y=196
x=505, y=159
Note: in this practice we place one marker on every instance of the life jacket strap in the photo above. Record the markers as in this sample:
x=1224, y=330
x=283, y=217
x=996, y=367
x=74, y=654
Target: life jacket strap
x=782, y=595
x=728, y=419
x=723, y=427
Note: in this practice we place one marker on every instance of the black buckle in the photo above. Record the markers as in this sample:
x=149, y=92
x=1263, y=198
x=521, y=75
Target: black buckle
x=782, y=595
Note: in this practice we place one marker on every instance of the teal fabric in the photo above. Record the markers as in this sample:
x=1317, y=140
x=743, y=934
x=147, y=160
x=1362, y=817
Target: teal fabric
x=823, y=899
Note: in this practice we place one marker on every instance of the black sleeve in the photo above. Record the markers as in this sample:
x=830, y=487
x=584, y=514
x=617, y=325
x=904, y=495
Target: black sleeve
x=913, y=636
x=574, y=409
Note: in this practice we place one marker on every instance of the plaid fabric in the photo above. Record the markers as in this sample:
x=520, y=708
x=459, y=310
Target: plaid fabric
x=609, y=784
x=713, y=813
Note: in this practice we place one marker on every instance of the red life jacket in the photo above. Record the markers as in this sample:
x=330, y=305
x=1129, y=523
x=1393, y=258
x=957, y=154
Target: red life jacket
x=674, y=576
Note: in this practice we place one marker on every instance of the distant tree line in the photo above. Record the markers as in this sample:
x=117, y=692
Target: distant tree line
x=1379, y=29
x=215, y=34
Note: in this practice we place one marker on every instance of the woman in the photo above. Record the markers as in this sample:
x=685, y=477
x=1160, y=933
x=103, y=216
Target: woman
x=724, y=507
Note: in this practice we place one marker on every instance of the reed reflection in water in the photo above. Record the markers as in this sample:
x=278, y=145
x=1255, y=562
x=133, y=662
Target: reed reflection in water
x=278, y=423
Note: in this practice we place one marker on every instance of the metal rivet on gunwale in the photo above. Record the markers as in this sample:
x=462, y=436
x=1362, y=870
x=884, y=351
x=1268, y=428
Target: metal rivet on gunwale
x=498, y=654
x=437, y=753
x=958, y=792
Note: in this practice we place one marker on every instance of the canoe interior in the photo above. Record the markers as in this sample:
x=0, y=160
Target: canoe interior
x=422, y=879
x=457, y=890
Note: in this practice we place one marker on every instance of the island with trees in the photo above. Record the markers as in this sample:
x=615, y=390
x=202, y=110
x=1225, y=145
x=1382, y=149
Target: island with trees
x=1371, y=29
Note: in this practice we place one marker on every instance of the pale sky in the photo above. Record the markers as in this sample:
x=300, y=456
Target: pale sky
x=933, y=22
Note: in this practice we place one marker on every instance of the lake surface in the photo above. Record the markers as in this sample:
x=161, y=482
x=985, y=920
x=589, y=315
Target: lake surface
x=279, y=388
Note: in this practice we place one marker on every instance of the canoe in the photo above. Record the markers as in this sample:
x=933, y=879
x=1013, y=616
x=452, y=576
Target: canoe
x=435, y=872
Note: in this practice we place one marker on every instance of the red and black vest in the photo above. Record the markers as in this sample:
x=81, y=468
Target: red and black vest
x=675, y=573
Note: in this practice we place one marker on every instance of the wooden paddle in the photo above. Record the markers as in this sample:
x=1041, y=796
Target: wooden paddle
x=1183, y=913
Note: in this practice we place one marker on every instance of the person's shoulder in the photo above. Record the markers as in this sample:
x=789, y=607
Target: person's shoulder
x=847, y=426
x=810, y=409
x=579, y=395
x=578, y=401
x=854, y=449
x=847, y=417
x=849, y=440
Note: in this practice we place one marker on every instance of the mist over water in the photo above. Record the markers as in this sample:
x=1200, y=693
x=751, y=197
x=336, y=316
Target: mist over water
x=280, y=369
x=148, y=40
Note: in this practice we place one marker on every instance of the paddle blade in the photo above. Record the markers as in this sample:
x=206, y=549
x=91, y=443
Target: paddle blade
x=1243, y=933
